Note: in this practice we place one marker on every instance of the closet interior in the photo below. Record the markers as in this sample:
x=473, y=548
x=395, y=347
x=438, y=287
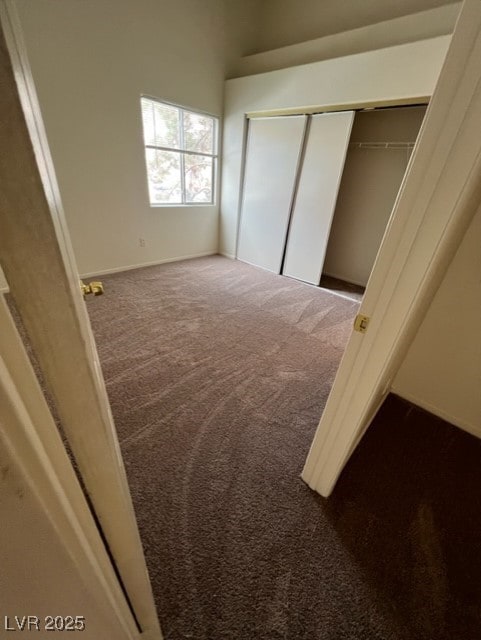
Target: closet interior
x=318, y=191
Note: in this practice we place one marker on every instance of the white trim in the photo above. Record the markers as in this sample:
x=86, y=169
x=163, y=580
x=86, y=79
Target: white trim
x=169, y=103
x=473, y=429
x=184, y=205
x=437, y=201
x=231, y=256
x=317, y=109
x=105, y=272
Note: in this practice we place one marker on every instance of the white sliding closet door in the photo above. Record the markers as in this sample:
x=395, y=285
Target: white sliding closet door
x=272, y=158
x=316, y=197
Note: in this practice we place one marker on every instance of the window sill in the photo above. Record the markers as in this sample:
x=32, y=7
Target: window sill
x=182, y=206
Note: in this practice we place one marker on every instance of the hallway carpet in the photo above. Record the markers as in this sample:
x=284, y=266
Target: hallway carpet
x=217, y=374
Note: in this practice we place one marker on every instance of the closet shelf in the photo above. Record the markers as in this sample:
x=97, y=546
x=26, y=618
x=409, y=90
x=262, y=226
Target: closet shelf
x=381, y=145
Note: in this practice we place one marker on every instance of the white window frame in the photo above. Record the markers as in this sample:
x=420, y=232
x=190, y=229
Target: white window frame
x=183, y=152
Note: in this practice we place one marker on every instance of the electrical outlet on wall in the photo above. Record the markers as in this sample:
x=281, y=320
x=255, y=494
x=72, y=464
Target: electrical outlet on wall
x=141, y=242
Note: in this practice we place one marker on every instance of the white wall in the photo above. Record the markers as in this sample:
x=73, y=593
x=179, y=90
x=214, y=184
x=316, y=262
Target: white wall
x=442, y=370
x=369, y=186
x=91, y=60
x=396, y=73
x=37, y=575
x=409, y=28
x=286, y=22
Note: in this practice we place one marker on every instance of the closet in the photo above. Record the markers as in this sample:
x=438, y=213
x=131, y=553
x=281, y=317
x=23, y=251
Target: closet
x=318, y=190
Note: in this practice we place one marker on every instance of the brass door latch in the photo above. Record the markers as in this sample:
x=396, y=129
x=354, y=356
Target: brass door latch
x=361, y=322
x=96, y=287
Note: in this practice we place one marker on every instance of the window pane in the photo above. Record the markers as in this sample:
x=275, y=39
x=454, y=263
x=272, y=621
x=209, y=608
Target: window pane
x=163, y=172
x=198, y=178
x=148, y=120
x=199, y=132
x=166, y=122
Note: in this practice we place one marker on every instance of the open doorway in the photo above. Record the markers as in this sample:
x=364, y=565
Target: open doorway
x=380, y=146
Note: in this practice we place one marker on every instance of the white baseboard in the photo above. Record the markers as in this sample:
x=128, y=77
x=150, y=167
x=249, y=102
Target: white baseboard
x=105, y=272
x=231, y=256
x=474, y=430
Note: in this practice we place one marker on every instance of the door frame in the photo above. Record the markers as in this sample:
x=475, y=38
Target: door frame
x=437, y=200
x=37, y=259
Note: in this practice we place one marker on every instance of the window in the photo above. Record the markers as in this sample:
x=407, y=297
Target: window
x=180, y=154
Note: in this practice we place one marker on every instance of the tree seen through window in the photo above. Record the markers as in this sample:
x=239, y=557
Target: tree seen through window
x=180, y=150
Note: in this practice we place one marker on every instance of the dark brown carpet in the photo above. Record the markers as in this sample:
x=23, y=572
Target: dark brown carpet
x=217, y=374
x=342, y=288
